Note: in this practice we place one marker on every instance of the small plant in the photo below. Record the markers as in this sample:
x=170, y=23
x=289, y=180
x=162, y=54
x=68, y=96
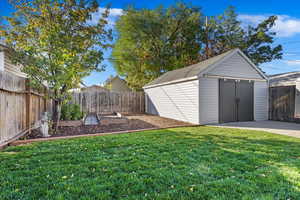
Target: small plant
x=71, y=112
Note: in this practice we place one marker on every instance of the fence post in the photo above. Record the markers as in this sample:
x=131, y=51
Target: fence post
x=45, y=99
x=145, y=103
x=28, y=105
x=120, y=99
x=140, y=94
x=297, y=99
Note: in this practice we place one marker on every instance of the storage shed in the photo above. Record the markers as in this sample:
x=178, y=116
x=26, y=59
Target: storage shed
x=224, y=88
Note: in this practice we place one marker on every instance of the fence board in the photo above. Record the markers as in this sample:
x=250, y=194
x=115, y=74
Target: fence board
x=109, y=102
x=20, y=108
x=297, y=101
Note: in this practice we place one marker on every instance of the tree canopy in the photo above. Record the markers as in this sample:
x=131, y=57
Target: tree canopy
x=225, y=32
x=152, y=42
x=56, y=42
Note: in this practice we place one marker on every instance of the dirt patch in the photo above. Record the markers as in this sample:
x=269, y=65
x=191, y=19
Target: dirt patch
x=112, y=124
x=71, y=123
x=157, y=121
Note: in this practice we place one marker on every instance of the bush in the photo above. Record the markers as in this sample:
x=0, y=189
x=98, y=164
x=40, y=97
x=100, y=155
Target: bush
x=71, y=112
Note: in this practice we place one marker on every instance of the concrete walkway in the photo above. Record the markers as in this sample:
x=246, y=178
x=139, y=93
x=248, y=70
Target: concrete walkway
x=283, y=128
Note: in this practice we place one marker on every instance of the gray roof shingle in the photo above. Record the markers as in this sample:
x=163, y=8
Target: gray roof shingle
x=189, y=71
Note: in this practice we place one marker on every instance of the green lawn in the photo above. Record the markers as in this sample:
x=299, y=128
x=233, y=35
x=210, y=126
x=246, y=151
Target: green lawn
x=181, y=163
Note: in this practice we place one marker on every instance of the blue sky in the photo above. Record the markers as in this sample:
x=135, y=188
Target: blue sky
x=287, y=26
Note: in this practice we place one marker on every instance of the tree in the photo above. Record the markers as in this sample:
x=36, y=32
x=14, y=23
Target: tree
x=107, y=84
x=225, y=32
x=152, y=42
x=56, y=43
x=222, y=33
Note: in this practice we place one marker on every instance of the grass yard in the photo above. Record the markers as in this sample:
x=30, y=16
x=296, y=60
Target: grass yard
x=181, y=163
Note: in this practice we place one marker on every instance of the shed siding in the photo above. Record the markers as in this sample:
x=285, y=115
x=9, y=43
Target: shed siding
x=209, y=100
x=176, y=101
x=235, y=66
x=261, y=100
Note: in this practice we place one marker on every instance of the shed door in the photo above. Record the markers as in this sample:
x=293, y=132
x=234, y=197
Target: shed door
x=227, y=101
x=236, y=101
x=244, y=98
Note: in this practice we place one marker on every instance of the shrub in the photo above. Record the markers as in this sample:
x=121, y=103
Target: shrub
x=71, y=112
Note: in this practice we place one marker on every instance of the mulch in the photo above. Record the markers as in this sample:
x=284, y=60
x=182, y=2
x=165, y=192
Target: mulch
x=111, y=124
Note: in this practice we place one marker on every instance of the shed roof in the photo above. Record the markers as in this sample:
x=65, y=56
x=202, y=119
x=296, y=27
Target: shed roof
x=284, y=79
x=189, y=71
x=193, y=71
x=111, y=79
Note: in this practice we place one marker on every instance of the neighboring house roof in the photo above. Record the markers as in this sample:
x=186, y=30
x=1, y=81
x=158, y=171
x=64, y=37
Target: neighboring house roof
x=116, y=84
x=78, y=89
x=284, y=79
x=112, y=79
x=193, y=71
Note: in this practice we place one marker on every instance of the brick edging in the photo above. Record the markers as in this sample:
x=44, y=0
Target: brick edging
x=21, y=142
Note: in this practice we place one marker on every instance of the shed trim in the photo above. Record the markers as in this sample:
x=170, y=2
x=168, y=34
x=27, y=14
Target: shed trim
x=232, y=77
x=275, y=76
x=285, y=79
x=171, y=82
x=284, y=83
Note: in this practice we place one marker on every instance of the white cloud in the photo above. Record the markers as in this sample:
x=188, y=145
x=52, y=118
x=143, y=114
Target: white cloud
x=252, y=19
x=290, y=54
x=293, y=62
x=114, y=13
x=285, y=26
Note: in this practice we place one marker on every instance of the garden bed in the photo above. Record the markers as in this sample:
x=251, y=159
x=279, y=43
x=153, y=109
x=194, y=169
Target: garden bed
x=112, y=123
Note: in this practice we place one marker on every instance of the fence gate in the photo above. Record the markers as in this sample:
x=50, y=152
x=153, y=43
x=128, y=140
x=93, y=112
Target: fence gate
x=282, y=103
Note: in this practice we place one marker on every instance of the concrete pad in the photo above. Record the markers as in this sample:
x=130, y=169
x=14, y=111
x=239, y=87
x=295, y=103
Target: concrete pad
x=283, y=128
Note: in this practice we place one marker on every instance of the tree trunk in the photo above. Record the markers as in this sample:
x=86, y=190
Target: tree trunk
x=56, y=115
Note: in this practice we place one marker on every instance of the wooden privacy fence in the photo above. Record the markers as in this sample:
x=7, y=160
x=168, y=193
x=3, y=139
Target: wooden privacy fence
x=20, y=107
x=109, y=102
x=282, y=103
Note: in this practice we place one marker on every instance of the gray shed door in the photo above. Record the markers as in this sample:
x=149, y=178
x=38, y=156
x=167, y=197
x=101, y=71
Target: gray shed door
x=236, y=101
x=227, y=101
